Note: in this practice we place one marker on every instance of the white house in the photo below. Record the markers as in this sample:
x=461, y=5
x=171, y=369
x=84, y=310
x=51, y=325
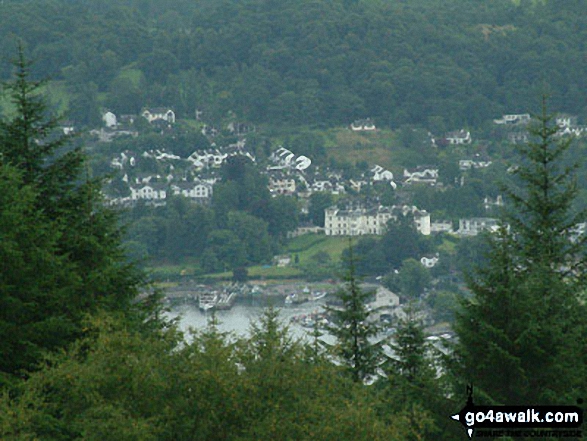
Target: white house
x=363, y=125
x=468, y=164
x=523, y=118
x=442, y=226
x=459, y=137
x=429, y=262
x=240, y=128
x=162, y=155
x=285, y=185
x=422, y=221
x=149, y=192
x=474, y=226
x=489, y=202
x=566, y=121
x=576, y=131
x=109, y=119
x=326, y=185
x=357, y=185
x=237, y=150
x=68, y=128
x=282, y=260
x=381, y=174
x=207, y=158
x=159, y=113
x=197, y=190
x=421, y=175
x=287, y=159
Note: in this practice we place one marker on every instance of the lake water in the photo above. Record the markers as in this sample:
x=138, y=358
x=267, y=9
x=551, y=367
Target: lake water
x=238, y=319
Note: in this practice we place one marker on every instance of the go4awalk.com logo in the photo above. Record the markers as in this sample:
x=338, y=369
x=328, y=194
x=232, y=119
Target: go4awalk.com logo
x=525, y=421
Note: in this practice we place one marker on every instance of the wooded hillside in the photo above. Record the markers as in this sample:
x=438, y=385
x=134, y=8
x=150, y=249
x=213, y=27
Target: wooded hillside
x=441, y=64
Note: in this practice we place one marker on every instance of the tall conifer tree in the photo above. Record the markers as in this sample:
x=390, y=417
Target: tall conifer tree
x=353, y=329
x=522, y=334
x=72, y=258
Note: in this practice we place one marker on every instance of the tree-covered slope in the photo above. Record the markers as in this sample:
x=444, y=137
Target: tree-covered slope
x=442, y=64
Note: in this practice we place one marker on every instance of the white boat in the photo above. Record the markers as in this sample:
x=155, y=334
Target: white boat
x=208, y=301
x=206, y=306
x=318, y=295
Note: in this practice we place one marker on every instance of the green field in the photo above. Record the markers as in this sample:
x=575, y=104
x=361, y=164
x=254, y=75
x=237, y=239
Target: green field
x=344, y=145
x=304, y=247
x=382, y=147
x=261, y=272
x=308, y=245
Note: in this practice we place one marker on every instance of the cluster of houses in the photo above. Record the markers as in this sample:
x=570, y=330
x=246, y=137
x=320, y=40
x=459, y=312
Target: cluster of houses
x=123, y=125
x=157, y=192
x=152, y=115
x=288, y=174
x=291, y=174
x=516, y=123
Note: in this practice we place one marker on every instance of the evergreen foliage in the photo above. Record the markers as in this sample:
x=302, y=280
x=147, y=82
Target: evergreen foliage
x=353, y=328
x=118, y=384
x=62, y=253
x=521, y=335
x=414, y=385
x=411, y=350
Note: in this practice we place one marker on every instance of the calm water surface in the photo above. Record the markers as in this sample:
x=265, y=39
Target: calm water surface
x=238, y=319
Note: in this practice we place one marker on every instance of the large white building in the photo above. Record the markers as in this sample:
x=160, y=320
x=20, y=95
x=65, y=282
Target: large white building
x=360, y=221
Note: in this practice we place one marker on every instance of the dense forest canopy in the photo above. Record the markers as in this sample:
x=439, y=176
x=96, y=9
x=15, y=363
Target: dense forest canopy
x=440, y=64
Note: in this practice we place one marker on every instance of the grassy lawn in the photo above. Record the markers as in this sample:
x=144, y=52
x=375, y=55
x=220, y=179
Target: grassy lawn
x=304, y=246
x=261, y=272
x=166, y=271
x=381, y=147
x=344, y=145
x=304, y=242
x=308, y=245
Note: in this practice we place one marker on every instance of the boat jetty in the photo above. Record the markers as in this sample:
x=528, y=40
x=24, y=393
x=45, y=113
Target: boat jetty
x=218, y=297
x=218, y=300
x=223, y=296
x=305, y=295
